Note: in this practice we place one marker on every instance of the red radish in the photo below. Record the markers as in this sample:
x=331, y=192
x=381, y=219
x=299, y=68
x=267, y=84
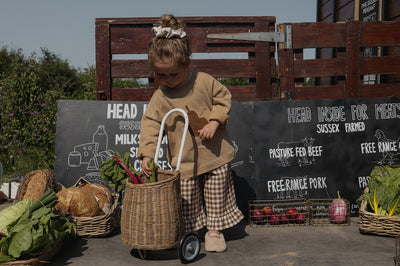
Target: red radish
x=283, y=218
x=257, y=215
x=267, y=210
x=338, y=210
x=300, y=218
x=292, y=213
x=274, y=219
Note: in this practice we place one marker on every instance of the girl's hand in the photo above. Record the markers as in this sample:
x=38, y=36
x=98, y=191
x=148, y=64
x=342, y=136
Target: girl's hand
x=145, y=166
x=208, y=131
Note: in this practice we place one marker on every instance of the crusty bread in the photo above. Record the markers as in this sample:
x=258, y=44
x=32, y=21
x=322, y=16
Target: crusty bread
x=77, y=202
x=101, y=193
x=35, y=185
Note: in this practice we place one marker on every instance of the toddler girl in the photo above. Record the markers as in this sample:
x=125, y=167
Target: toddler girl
x=205, y=170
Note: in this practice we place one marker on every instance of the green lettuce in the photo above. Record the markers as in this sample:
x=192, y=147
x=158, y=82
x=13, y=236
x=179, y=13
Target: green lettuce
x=12, y=213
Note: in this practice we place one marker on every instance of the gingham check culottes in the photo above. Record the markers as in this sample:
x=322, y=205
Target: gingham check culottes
x=215, y=191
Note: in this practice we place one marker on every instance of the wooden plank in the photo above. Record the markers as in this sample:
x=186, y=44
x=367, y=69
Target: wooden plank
x=319, y=92
x=319, y=67
x=380, y=65
x=103, y=55
x=380, y=90
x=221, y=68
x=132, y=94
x=201, y=44
x=318, y=35
x=286, y=74
x=243, y=93
x=225, y=68
x=130, y=40
x=263, y=68
x=131, y=69
x=353, y=55
x=189, y=20
x=380, y=33
x=239, y=93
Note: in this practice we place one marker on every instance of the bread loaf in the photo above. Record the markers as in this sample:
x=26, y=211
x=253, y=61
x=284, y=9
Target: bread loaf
x=35, y=184
x=77, y=202
x=101, y=193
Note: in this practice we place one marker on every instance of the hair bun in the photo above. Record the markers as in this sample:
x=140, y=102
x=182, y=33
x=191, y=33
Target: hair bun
x=168, y=32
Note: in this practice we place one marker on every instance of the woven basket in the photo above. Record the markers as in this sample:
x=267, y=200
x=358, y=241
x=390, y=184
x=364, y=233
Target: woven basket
x=50, y=184
x=41, y=260
x=151, y=216
x=371, y=223
x=100, y=225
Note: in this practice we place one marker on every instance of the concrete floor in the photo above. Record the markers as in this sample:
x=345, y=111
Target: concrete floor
x=286, y=245
x=255, y=245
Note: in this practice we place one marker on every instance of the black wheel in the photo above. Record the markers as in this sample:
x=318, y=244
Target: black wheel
x=189, y=247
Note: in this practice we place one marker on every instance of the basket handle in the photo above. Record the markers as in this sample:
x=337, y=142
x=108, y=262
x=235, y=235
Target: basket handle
x=160, y=135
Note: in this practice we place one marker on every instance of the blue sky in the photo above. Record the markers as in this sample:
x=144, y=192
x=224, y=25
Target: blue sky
x=67, y=27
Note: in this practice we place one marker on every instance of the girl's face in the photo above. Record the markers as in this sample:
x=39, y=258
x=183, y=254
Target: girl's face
x=169, y=73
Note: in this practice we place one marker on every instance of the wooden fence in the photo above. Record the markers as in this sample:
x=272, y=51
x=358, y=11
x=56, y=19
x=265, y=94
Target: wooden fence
x=121, y=53
x=341, y=76
x=121, y=41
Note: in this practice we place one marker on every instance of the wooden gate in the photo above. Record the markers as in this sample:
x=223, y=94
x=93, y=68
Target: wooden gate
x=121, y=53
x=121, y=45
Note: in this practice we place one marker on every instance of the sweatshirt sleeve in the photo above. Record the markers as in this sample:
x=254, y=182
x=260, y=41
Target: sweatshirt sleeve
x=221, y=103
x=149, y=129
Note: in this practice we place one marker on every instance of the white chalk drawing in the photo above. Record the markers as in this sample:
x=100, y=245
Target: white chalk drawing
x=238, y=163
x=91, y=154
x=389, y=148
x=300, y=159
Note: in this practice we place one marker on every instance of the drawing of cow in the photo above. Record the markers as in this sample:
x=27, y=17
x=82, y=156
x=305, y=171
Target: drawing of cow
x=302, y=160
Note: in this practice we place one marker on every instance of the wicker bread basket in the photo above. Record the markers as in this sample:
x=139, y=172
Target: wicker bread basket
x=35, y=183
x=371, y=223
x=100, y=225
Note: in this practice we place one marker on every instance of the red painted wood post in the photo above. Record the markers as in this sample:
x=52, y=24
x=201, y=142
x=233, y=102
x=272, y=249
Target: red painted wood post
x=103, y=61
x=286, y=69
x=263, y=66
x=353, y=57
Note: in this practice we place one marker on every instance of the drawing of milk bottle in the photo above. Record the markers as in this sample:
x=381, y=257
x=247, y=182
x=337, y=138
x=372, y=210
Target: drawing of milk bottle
x=101, y=138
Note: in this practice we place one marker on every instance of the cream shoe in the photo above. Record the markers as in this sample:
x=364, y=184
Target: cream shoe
x=215, y=242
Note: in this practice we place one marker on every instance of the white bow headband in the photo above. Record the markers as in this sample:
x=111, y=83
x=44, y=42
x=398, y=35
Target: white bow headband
x=168, y=32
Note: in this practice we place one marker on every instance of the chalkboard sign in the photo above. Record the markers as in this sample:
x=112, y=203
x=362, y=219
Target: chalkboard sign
x=88, y=132
x=284, y=149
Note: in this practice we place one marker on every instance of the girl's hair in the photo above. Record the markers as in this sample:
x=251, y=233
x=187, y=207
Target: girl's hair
x=174, y=48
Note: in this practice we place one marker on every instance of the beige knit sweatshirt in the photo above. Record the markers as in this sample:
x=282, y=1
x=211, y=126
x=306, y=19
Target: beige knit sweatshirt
x=204, y=95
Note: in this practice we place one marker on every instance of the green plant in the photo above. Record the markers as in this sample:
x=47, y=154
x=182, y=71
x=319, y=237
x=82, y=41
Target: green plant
x=29, y=90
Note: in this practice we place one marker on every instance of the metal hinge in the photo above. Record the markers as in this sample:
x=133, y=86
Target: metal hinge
x=284, y=37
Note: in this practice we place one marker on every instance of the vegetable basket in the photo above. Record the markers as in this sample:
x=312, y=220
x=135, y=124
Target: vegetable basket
x=100, y=225
x=151, y=217
x=371, y=223
x=38, y=261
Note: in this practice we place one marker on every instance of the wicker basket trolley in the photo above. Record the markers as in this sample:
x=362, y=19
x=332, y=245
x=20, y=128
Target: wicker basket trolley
x=151, y=217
